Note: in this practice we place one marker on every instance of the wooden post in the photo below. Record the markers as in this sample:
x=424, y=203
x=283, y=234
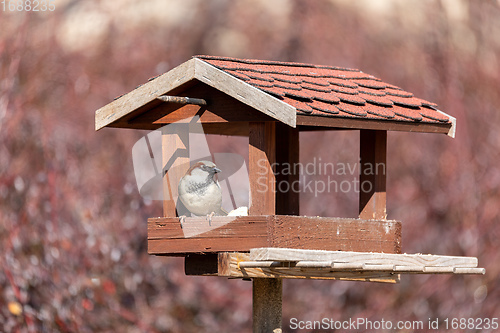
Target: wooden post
x=287, y=185
x=267, y=293
x=372, y=182
x=175, y=152
x=262, y=157
x=267, y=305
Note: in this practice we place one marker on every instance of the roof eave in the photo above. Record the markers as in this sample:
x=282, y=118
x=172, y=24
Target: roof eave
x=245, y=93
x=144, y=94
x=453, y=121
x=203, y=72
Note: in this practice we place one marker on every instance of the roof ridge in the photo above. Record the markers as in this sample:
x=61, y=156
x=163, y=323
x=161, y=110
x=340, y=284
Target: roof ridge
x=275, y=62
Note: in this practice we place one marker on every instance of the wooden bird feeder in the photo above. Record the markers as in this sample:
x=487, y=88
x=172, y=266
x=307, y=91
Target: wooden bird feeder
x=271, y=103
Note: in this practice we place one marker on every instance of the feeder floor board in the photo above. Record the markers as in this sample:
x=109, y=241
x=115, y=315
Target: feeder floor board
x=338, y=265
x=242, y=233
x=229, y=266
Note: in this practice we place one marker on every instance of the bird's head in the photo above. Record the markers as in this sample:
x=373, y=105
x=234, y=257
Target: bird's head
x=203, y=169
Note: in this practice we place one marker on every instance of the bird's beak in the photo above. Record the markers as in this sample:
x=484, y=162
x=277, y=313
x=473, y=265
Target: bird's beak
x=217, y=170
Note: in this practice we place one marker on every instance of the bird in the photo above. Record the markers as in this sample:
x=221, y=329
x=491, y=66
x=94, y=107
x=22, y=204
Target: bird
x=200, y=192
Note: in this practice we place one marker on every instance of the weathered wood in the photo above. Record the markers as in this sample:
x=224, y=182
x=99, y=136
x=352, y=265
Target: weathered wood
x=266, y=293
x=307, y=269
x=175, y=81
x=230, y=266
x=223, y=233
x=201, y=227
x=320, y=233
x=287, y=153
x=135, y=101
x=352, y=266
x=267, y=305
x=242, y=233
x=427, y=260
x=372, y=181
x=182, y=100
x=309, y=122
x=262, y=157
x=467, y=270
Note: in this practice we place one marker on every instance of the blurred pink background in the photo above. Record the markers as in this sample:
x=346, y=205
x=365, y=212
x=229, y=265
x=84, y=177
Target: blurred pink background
x=72, y=223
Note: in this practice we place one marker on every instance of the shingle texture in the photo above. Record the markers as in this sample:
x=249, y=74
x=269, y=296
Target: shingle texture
x=330, y=91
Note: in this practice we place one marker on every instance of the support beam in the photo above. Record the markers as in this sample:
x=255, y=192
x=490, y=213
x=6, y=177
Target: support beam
x=262, y=157
x=267, y=305
x=175, y=151
x=267, y=293
x=287, y=153
x=372, y=192
x=182, y=100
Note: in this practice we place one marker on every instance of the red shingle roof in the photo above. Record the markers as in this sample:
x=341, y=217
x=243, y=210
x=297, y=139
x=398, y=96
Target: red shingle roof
x=330, y=91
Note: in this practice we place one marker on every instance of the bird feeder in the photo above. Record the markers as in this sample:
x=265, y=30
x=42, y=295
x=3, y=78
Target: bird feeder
x=271, y=103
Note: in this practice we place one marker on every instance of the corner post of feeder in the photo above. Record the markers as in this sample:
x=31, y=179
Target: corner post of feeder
x=287, y=139
x=372, y=181
x=262, y=158
x=175, y=161
x=267, y=293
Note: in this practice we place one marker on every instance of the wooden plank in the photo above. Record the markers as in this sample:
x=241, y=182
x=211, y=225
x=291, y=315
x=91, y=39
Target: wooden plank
x=245, y=93
x=202, y=245
x=372, y=181
x=467, y=270
x=319, y=233
x=229, y=267
x=175, y=152
x=287, y=153
x=427, y=260
x=144, y=94
x=225, y=233
x=308, y=122
x=142, y=99
x=332, y=266
x=201, y=227
x=262, y=157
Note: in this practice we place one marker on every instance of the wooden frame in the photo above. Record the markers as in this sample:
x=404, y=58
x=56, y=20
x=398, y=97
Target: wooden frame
x=165, y=236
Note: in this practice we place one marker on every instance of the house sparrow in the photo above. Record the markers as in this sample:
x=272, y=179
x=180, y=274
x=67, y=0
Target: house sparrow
x=199, y=192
